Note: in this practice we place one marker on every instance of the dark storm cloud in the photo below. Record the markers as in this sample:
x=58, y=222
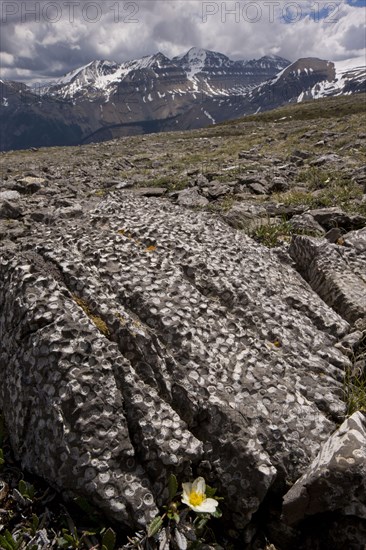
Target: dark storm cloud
x=178, y=34
x=354, y=38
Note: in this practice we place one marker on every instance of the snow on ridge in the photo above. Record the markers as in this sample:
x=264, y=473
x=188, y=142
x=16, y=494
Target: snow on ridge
x=196, y=58
x=351, y=64
x=354, y=68
x=105, y=76
x=66, y=79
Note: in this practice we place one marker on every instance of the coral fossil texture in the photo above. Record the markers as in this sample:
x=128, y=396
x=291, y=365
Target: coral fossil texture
x=139, y=338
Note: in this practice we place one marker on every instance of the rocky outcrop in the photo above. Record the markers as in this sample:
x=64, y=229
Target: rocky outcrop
x=139, y=338
x=336, y=273
x=335, y=482
x=328, y=484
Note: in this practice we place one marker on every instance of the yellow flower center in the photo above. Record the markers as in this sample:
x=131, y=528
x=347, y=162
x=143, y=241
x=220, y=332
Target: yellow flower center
x=196, y=498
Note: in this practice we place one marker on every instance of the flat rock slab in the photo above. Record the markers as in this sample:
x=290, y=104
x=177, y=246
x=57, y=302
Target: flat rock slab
x=141, y=338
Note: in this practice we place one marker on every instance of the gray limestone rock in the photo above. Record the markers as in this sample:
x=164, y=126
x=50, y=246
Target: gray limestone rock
x=9, y=211
x=307, y=224
x=326, y=159
x=356, y=239
x=336, y=273
x=190, y=198
x=142, y=338
x=335, y=217
x=9, y=195
x=216, y=190
x=336, y=479
x=244, y=216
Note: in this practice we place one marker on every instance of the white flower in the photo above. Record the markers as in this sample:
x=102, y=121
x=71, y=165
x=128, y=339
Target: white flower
x=194, y=496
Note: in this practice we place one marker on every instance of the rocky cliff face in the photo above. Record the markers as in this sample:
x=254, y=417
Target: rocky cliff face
x=140, y=338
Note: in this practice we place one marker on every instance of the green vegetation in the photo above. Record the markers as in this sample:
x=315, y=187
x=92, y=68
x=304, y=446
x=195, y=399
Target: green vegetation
x=222, y=205
x=272, y=234
x=355, y=381
x=31, y=513
x=183, y=525
x=355, y=393
x=171, y=183
x=330, y=191
x=331, y=107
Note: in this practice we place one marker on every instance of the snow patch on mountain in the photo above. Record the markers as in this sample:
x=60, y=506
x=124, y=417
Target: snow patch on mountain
x=67, y=78
x=194, y=61
x=210, y=117
x=209, y=72
x=349, y=70
x=351, y=64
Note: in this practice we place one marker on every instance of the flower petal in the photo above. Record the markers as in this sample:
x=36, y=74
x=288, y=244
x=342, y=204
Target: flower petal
x=185, y=500
x=209, y=506
x=187, y=489
x=199, y=485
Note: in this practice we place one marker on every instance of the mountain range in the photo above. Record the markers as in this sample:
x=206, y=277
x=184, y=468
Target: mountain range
x=104, y=100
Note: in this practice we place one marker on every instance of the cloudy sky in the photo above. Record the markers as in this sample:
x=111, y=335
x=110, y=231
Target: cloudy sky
x=45, y=39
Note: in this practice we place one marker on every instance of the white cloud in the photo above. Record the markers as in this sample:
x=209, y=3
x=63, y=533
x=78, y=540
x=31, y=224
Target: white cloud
x=6, y=59
x=53, y=42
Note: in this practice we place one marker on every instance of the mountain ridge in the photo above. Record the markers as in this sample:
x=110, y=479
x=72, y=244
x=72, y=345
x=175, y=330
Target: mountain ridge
x=104, y=99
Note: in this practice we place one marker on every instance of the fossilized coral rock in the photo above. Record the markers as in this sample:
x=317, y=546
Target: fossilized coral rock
x=141, y=339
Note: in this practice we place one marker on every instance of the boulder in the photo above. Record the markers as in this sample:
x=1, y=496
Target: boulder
x=142, y=338
x=356, y=239
x=244, y=216
x=335, y=217
x=329, y=158
x=9, y=211
x=9, y=195
x=190, y=197
x=307, y=224
x=336, y=479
